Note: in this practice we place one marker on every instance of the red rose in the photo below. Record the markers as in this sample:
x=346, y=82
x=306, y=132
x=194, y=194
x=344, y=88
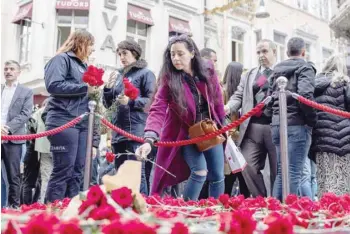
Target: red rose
x=84, y=205
x=93, y=76
x=104, y=212
x=123, y=197
x=96, y=195
x=110, y=157
x=71, y=227
x=179, y=228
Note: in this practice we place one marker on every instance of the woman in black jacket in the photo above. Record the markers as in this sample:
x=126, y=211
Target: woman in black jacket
x=331, y=135
x=129, y=114
x=68, y=100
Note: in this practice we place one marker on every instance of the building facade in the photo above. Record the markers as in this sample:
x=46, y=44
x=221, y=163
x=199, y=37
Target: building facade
x=340, y=23
x=32, y=30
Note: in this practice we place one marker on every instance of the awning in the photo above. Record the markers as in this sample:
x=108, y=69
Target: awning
x=73, y=4
x=180, y=26
x=24, y=12
x=140, y=14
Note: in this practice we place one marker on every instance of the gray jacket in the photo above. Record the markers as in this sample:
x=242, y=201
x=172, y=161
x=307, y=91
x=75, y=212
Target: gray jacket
x=21, y=108
x=243, y=99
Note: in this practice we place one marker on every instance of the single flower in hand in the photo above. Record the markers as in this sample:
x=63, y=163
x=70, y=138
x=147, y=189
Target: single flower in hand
x=93, y=76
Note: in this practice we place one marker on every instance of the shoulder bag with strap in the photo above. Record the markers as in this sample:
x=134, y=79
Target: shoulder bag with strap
x=204, y=127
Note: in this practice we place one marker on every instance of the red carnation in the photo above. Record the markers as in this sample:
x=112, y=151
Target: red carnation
x=224, y=199
x=104, y=212
x=70, y=227
x=10, y=229
x=42, y=223
x=130, y=90
x=278, y=224
x=96, y=196
x=122, y=196
x=93, y=76
x=179, y=228
x=110, y=157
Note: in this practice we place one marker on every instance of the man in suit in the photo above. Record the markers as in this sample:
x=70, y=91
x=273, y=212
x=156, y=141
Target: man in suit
x=16, y=109
x=255, y=133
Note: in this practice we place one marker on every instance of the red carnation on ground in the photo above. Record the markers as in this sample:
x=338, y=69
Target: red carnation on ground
x=96, y=196
x=93, y=76
x=115, y=227
x=224, y=199
x=110, y=157
x=70, y=227
x=278, y=224
x=122, y=196
x=10, y=229
x=42, y=223
x=104, y=212
x=179, y=228
x=130, y=90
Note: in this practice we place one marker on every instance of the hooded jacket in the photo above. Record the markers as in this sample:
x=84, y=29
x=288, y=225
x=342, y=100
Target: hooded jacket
x=331, y=133
x=301, y=80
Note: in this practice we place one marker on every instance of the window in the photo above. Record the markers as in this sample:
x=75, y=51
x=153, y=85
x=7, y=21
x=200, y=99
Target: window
x=307, y=51
x=324, y=9
x=326, y=54
x=24, y=43
x=258, y=36
x=68, y=21
x=280, y=40
x=237, y=45
x=303, y=4
x=138, y=32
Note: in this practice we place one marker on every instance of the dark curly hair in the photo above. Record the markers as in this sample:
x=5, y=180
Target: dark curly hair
x=173, y=78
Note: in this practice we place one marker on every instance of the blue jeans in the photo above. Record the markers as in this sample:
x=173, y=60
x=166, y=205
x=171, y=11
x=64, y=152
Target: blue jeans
x=210, y=161
x=68, y=156
x=299, y=141
x=308, y=186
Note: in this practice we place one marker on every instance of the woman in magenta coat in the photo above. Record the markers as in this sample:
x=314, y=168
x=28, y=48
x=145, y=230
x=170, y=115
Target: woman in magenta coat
x=187, y=87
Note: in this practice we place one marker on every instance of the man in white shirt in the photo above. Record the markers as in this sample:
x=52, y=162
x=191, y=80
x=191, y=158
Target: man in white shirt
x=16, y=109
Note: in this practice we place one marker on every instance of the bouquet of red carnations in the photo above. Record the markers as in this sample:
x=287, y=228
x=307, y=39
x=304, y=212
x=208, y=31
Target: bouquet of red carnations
x=130, y=90
x=93, y=76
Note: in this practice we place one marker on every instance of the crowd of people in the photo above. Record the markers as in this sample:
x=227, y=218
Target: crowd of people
x=187, y=92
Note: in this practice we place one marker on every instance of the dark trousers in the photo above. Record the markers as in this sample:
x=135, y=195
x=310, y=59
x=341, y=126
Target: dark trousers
x=94, y=169
x=255, y=147
x=131, y=146
x=229, y=182
x=68, y=156
x=31, y=176
x=11, y=154
x=3, y=186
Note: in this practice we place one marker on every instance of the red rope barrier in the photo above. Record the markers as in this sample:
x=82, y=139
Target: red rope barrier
x=321, y=107
x=42, y=134
x=236, y=123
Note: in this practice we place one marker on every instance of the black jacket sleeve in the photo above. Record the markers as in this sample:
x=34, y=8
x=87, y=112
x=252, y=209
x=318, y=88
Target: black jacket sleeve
x=306, y=88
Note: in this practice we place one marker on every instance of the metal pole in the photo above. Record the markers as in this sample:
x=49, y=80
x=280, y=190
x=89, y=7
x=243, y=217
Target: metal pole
x=282, y=83
x=88, y=159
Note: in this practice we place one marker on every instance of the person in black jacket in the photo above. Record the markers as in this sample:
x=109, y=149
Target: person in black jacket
x=129, y=115
x=331, y=136
x=68, y=100
x=301, y=118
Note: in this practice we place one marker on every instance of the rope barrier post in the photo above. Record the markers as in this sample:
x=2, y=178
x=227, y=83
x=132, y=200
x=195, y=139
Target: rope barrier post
x=282, y=83
x=88, y=159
